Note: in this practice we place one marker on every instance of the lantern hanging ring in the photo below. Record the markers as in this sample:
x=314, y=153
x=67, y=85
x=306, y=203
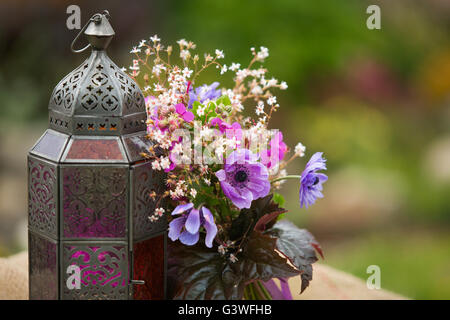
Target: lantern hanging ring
x=96, y=18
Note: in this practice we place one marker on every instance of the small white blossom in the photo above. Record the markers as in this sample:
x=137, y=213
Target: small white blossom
x=283, y=85
x=221, y=249
x=272, y=100
x=235, y=66
x=262, y=54
x=187, y=72
x=156, y=165
x=135, y=50
x=165, y=162
x=182, y=43
x=142, y=43
x=159, y=211
x=185, y=54
x=193, y=193
x=219, y=54
x=233, y=258
x=224, y=69
x=155, y=38
x=207, y=181
x=260, y=108
x=300, y=149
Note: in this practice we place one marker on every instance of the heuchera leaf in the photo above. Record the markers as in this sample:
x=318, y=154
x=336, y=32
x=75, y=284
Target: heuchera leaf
x=261, y=212
x=299, y=246
x=200, y=273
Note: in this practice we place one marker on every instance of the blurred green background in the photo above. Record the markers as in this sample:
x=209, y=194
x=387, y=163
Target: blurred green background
x=376, y=102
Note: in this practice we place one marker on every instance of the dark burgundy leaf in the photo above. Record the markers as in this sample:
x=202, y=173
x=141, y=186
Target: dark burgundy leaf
x=299, y=246
x=196, y=272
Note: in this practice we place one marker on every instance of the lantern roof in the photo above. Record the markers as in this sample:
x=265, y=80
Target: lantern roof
x=97, y=98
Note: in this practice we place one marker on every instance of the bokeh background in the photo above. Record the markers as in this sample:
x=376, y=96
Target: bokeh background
x=377, y=102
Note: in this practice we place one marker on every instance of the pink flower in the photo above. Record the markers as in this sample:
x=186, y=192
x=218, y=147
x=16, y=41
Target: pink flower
x=270, y=158
x=188, y=116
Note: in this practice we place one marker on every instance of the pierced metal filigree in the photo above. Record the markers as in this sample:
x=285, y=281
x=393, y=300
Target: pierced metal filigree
x=43, y=263
x=42, y=197
x=103, y=270
x=145, y=180
x=94, y=202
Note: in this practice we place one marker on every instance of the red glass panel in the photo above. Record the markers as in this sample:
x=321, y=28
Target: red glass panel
x=149, y=258
x=104, y=149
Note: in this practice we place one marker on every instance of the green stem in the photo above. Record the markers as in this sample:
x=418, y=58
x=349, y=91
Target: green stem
x=286, y=177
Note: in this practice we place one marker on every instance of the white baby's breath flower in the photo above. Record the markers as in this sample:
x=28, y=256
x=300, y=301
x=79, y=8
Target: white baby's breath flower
x=155, y=38
x=182, y=43
x=185, y=54
x=260, y=108
x=283, y=85
x=165, y=162
x=262, y=54
x=219, y=54
x=272, y=82
x=233, y=258
x=256, y=90
x=193, y=193
x=159, y=211
x=201, y=111
x=207, y=181
x=224, y=69
x=272, y=100
x=300, y=149
x=156, y=165
x=187, y=72
x=221, y=249
x=142, y=43
x=235, y=66
x=135, y=50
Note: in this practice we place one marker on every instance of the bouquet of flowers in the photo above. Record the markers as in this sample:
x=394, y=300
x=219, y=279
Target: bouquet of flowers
x=224, y=170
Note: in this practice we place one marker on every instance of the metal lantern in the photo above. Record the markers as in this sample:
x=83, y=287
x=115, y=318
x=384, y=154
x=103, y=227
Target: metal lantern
x=89, y=188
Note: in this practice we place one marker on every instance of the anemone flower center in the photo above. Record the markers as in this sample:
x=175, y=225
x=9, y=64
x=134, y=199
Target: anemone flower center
x=316, y=181
x=240, y=176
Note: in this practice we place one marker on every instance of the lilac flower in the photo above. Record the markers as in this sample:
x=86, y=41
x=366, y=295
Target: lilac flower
x=243, y=178
x=275, y=292
x=204, y=93
x=186, y=228
x=311, y=181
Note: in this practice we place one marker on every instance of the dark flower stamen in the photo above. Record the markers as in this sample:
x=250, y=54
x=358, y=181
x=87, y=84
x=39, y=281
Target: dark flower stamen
x=316, y=181
x=240, y=176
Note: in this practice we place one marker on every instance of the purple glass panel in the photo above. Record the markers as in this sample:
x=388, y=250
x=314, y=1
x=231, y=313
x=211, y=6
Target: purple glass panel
x=42, y=197
x=43, y=263
x=94, y=202
x=103, y=270
x=51, y=145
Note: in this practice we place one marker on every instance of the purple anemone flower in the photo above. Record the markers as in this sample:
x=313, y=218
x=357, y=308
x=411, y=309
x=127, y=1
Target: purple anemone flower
x=203, y=93
x=311, y=181
x=186, y=228
x=243, y=178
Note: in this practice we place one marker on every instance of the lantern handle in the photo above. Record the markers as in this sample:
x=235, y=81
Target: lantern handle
x=96, y=18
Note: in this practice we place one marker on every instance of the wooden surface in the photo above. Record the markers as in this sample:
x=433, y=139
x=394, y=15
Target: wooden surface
x=328, y=283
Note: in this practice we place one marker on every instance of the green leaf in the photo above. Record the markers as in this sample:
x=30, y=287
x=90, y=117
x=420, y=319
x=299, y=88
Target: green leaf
x=278, y=199
x=299, y=246
x=225, y=100
x=196, y=272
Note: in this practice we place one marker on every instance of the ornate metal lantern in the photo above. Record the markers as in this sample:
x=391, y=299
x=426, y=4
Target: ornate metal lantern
x=89, y=188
